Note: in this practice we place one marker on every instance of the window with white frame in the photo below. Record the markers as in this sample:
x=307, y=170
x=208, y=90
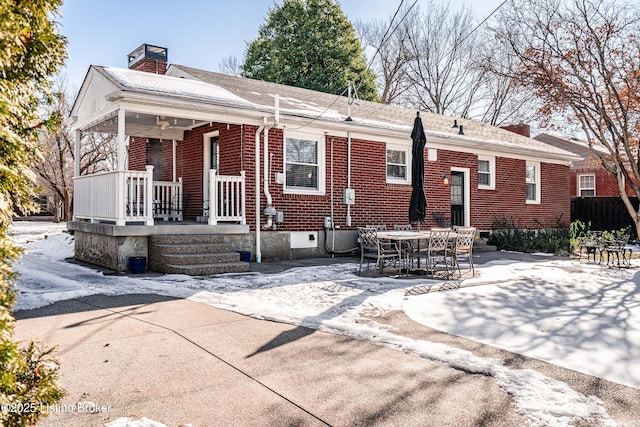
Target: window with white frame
x=397, y=164
x=304, y=158
x=487, y=172
x=532, y=180
x=586, y=185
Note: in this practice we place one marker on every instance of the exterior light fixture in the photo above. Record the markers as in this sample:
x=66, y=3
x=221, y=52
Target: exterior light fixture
x=445, y=179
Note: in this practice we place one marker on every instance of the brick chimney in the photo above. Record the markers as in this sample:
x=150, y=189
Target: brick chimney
x=149, y=58
x=520, y=129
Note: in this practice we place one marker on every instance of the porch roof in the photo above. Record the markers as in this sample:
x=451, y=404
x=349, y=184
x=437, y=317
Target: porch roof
x=192, y=97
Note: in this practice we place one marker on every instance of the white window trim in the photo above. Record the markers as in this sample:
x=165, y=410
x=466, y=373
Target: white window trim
x=320, y=139
x=579, y=189
x=538, y=183
x=492, y=172
x=409, y=160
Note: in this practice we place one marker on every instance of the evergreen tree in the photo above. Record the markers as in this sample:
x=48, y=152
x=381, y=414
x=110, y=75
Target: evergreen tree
x=310, y=44
x=32, y=51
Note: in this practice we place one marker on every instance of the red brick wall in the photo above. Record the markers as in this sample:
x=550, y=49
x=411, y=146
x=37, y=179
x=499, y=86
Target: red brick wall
x=606, y=185
x=150, y=65
x=137, y=153
x=520, y=129
x=377, y=202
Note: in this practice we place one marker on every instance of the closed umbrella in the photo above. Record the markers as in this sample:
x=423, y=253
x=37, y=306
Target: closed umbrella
x=418, y=203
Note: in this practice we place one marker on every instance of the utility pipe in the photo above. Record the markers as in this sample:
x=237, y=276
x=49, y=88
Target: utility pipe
x=269, y=210
x=257, y=174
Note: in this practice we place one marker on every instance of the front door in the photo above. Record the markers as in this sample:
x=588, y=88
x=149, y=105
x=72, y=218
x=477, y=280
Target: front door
x=457, y=198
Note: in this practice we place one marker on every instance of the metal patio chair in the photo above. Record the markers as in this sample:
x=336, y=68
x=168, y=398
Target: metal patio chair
x=465, y=236
x=372, y=248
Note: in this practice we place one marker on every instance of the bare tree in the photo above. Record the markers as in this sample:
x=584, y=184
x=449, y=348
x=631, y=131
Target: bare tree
x=56, y=168
x=230, y=65
x=390, y=57
x=582, y=59
x=442, y=73
x=440, y=60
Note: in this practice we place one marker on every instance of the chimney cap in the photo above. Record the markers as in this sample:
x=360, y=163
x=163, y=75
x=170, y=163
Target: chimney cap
x=147, y=51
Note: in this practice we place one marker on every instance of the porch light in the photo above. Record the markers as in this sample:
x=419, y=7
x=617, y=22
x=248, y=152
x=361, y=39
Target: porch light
x=445, y=179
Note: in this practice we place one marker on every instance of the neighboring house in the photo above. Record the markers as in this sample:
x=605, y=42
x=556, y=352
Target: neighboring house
x=588, y=177
x=284, y=172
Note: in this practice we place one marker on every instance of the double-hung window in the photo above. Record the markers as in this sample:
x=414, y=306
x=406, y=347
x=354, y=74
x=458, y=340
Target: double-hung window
x=586, y=185
x=304, y=169
x=398, y=164
x=532, y=180
x=487, y=172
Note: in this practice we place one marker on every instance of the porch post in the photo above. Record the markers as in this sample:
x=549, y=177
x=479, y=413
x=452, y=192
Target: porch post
x=213, y=197
x=148, y=196
x=243, y=198
x=121, y=140
x=174, y=161
x=76, y=166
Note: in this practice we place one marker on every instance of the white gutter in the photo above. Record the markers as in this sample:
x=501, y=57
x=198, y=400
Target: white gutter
x=257, y=175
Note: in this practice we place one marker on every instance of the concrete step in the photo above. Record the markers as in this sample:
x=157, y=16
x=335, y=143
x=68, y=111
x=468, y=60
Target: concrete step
x=207, y=269
x=481, y=245
x=193, y=258
x=177, y=239
x=191, y=248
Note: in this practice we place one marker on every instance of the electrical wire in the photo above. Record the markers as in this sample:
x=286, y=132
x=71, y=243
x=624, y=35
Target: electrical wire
x=368, y=65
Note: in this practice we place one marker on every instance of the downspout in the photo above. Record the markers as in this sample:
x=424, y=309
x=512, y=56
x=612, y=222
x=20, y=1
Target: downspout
x=269, y=209
x=348, y=218
x=257, y=189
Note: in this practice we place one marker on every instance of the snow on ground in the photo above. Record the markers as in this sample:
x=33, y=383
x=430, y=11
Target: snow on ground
x=574, y=314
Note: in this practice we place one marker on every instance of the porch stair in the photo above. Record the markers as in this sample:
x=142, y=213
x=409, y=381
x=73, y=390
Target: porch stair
x=481, y=245
x=193, y=255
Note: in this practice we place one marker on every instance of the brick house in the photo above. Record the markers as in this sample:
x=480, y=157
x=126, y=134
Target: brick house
x=284, y=172
x=588, y=177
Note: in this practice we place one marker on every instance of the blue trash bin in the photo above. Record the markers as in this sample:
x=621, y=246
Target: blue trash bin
x=245, y=256
x=137, y=264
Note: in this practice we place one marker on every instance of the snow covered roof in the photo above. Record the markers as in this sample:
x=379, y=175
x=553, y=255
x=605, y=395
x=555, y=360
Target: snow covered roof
x=310, y=103
x=256, y=98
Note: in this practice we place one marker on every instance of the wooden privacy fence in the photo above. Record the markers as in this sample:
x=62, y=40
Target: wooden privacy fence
x=604, y=213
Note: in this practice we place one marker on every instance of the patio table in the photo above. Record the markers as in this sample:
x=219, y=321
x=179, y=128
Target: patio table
x=402, y=236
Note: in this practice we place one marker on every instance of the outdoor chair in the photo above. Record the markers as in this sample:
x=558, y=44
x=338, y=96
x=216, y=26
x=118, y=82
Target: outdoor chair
x=440, y=219
x=465, y=236
x=437, y=252
x=372, y=248
x=616, y=251
x=591, y=244
x=402, y=227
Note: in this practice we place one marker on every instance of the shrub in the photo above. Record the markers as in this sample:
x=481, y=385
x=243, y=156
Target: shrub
x=506, y=235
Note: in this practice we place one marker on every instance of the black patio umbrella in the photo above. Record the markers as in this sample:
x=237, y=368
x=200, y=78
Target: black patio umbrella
x=418, y=203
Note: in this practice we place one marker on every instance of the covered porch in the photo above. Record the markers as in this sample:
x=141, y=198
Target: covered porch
x=117, y=213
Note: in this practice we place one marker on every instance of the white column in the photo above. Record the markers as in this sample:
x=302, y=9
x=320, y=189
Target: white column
x=213, y=198
x=77, y=152
x=121, y=140
x=76, y=167
x=148, y=196
x=174, y=161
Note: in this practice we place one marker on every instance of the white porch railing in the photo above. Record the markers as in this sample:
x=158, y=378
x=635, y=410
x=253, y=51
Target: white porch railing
x=118, y=196
x=168, y=200
x=124, y=197
x=226, y=198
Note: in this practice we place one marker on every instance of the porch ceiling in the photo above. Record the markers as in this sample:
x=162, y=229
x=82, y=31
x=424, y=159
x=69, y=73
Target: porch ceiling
x=148, y=125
